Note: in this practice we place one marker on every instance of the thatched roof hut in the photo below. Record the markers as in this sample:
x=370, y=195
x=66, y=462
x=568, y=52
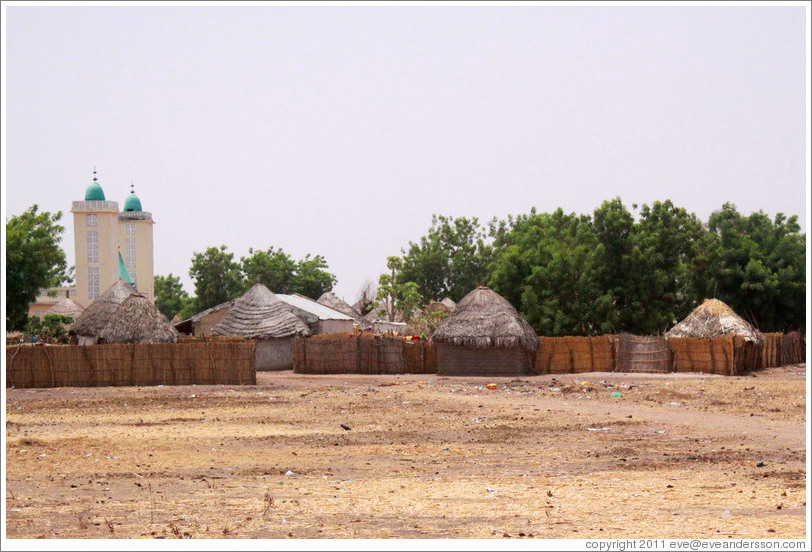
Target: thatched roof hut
x=259, y=314
x=485, y=336
x=66, y=307
x=449, y=302
x=329, y=299
x=484, y=319
x=138, y=320
x=95, y=317
x=713, y=318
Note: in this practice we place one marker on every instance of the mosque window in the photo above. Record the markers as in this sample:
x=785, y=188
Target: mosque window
x=129, y=229
x=93, y=246
x=93, y=220
x=93, y=282
x=129, y=255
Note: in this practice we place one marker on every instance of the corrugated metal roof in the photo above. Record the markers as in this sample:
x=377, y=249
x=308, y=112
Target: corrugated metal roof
x=306, y=304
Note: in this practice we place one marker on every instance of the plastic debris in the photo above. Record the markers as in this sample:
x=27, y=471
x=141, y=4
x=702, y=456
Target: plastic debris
x=289, y=473
x=490, y=386
x=615, y=395
x=597, y=429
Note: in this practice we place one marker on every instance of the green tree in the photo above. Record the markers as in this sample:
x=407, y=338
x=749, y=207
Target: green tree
x=216, y=276
x=449, y=261
x=394, y=296
x=273, y=268
x=311, y=278
x=51, y=328
x=757, y=266
x=546, y=266
x=170, y=297
x=667, y=239
x=34, y=261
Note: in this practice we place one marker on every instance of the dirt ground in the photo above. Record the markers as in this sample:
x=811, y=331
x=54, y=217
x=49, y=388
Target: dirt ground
x=419, y=456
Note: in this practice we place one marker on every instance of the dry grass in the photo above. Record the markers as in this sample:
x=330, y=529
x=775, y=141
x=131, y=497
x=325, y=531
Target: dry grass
x=681, y=455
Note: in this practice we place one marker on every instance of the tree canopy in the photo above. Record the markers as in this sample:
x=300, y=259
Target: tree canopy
x=34, y=261
x=170, y=297
x=618, y=270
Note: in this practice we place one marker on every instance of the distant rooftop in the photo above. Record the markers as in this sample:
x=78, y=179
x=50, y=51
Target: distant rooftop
x=311, y=306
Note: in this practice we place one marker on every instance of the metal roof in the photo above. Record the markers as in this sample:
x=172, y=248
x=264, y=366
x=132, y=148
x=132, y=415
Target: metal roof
x=309, y=305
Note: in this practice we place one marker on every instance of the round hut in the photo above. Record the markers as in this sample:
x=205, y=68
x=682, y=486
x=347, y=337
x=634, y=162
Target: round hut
x=66, y=307
x=138, y=320
x=262, y=316
x=715, y=319
x=485, y=336
x=329, y=299
x=88, y=325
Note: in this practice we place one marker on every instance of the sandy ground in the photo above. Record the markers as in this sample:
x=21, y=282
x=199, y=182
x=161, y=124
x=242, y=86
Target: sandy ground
x=354, y=456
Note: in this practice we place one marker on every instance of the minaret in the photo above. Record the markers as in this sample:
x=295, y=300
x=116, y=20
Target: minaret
x=135, y=244
x=95, y=234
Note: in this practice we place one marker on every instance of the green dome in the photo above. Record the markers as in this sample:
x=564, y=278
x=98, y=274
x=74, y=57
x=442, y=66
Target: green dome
x=94, y=192
x=132, y=203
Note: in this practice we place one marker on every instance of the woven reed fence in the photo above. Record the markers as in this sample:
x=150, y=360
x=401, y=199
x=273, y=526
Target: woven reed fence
x=203, y=362
x=780, y=349
x=363, y=354
x=706, y=355
x=574, y=355
x=643, y=354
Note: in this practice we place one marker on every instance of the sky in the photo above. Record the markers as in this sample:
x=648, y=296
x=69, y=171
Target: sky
x=339, y=130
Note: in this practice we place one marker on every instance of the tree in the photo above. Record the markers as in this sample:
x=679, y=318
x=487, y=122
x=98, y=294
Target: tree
x=667, y=238
x=311, y=278
x=34, y=261
x=216, y=276
x=394, y=296
x=450, y=261
x=546, y=266
x=273, y=268
x=366, y=296
x=170, y=297
x=51, y=328
x=757, y=266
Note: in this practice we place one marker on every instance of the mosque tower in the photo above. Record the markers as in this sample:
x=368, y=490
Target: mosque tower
x=110, y=245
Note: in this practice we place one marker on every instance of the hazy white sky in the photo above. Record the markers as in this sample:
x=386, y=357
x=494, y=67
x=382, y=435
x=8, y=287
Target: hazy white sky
x=339, y=130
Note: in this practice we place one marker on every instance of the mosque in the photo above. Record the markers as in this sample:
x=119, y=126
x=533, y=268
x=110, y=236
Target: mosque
x=108, y=244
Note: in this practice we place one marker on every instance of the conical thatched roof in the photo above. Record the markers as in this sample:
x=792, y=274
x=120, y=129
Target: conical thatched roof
x=138, y=320
x=259, y=314
x=449, y=302
x=484, y=319
x=96, y=316
x=713, y=318
x=66, y=307
x=329, y=299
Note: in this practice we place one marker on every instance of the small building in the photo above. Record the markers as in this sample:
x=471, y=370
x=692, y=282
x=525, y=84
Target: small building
x=202, y=323
x=714, y=318
x=95, y=317
x=485, y=336
x=320, y=318
x=138, y=320
x=693, y=346
x=259, y=314
x=47, y=299
x=329, y=299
